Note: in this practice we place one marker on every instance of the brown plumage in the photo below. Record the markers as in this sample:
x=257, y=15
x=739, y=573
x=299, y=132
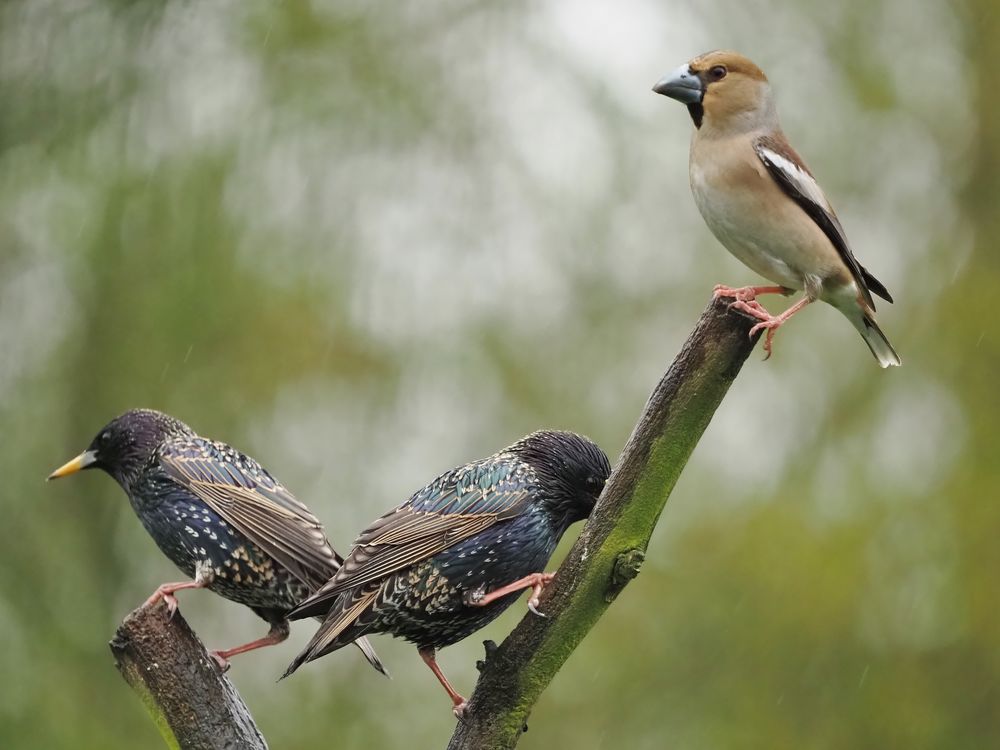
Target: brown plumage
x=762, y=202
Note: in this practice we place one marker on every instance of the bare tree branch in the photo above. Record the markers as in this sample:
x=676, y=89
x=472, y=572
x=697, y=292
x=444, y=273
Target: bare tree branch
x=194, y=706
x=609, y=552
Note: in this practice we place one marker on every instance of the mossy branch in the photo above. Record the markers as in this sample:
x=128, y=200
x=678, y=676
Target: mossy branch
x=609, y=552
x=192, y=704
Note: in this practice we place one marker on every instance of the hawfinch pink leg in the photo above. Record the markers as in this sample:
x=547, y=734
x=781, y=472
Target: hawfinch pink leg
x=747, y=293
x=746, y=298
x=772, y=323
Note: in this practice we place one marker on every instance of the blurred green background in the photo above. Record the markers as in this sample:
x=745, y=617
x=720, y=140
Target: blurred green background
x=365, y=242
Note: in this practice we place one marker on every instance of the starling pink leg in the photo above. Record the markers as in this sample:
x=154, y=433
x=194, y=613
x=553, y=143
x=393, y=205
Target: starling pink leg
x=203, y=575
x=458, y=702
x=166, y=592
x=773, y=322
x=277, y=634
x=747, y=293
x=536, y=582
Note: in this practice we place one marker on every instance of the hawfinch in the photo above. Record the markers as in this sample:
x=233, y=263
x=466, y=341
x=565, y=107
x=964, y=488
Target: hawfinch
x=762, y=203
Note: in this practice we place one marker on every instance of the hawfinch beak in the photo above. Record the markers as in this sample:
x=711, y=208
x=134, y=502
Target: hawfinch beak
x=83, y=461
x=682, y=85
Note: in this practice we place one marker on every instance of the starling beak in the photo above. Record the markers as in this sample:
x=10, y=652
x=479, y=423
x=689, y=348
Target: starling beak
x=81, y=462
x=219, y=516
x=455, y=555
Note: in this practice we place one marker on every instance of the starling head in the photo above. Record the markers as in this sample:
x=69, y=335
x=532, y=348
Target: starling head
x=571, y=469
x=124, y=446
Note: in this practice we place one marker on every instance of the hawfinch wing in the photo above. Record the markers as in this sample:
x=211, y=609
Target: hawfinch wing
x=794, y=178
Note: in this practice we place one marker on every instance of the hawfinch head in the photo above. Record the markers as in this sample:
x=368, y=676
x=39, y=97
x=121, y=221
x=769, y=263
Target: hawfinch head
x=723, y=90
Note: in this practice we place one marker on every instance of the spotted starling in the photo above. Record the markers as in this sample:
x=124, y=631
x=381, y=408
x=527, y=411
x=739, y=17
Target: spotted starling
x=219, y=516
x=457, y=553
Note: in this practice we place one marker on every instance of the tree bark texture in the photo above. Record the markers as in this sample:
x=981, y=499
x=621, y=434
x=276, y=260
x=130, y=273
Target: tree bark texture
x=192, y=703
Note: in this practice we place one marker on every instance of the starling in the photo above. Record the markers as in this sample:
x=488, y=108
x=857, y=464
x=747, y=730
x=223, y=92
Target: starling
x=219, y=516
x=455, y=555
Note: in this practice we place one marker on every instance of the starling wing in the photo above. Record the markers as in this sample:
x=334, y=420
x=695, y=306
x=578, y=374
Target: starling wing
x=456, y=506
x=248, y=497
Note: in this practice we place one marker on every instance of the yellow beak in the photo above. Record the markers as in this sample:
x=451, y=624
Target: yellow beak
x=85, y=459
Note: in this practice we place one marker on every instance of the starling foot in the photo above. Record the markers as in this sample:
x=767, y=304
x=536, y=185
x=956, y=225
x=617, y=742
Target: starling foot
x=220, y=660
x=277, y=634
x=536, y=582
x=166, y=592
x=203, y=575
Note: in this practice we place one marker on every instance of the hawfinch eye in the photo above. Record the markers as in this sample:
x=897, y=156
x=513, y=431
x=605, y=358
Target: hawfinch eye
x=717, y=72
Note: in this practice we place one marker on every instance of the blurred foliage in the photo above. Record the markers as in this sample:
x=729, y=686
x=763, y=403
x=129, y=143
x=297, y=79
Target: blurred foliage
x=366, y=242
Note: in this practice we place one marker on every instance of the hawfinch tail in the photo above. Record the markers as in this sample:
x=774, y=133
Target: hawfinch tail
x=760, y=199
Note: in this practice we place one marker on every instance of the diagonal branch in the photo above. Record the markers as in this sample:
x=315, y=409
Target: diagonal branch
x=194, y=706
x=609, y=552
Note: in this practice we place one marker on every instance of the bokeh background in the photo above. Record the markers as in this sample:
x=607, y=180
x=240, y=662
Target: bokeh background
x=365, y=242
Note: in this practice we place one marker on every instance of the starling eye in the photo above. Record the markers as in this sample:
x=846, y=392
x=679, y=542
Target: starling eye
x=104, y=438
x=717, y=72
